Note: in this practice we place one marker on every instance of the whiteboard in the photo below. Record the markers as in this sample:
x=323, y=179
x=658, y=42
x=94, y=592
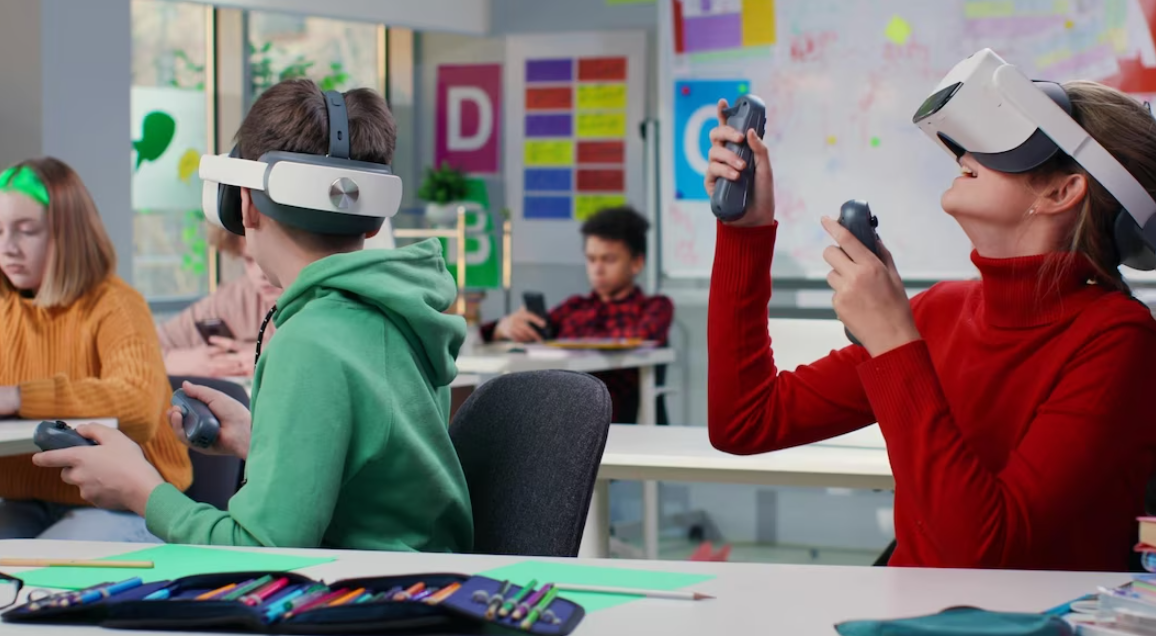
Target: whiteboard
x=841, y=80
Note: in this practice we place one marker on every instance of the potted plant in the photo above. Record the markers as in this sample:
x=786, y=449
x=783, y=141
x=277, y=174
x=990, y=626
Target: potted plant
x=443, y=189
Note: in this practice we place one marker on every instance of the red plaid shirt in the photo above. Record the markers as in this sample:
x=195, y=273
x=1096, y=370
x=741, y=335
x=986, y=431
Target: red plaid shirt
x=635, y=316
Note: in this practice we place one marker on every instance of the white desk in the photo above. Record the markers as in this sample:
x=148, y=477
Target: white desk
x=497, y=359
x=462, y=380
x=684, y=453
x=751, y=599
x=16, y=435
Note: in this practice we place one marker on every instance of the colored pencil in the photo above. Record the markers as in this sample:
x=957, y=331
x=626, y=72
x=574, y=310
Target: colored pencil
x=74, y=563
x=105, y=592
x=513, y=603
x=539, y=608
x=347, y=598
x=318, y=602
x=625, y=591
x=524, y=608
x=496, y=601
x=159, y=595
x=257, y=597
x=220, y=590
x=407, y=594
x=247, y=587
x=443, y=593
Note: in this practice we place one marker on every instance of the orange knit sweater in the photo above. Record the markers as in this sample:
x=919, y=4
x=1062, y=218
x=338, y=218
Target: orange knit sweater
x=98, y=357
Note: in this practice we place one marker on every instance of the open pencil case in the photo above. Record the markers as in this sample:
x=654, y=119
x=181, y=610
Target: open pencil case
x=461, y=612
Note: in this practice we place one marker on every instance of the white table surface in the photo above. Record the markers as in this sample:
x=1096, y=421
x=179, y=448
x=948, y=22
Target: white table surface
x=16, y=435
x=498, y=359
x=462, y=380
x=751, y=598
x=684, y=453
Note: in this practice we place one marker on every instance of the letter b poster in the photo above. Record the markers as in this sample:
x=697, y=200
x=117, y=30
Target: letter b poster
x=469, y=108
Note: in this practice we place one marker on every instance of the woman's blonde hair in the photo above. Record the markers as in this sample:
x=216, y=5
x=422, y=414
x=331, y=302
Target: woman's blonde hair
x=80, y=255
x=1127, y=130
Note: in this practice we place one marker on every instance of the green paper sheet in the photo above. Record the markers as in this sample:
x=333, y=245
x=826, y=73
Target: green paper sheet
x=522, y=573
x=170, y=562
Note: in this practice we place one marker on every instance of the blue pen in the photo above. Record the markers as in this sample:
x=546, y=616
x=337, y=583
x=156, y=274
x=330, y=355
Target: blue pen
x=111, y=590
x=159, y=595
x=278, y=608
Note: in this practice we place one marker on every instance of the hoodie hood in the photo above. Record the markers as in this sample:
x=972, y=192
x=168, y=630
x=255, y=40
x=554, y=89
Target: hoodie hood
x=409, y=285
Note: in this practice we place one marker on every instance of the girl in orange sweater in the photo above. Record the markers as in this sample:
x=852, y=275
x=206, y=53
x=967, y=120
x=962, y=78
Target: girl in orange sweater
x=75, y=342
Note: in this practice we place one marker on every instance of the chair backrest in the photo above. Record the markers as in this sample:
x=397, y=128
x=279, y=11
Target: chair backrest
x=530, y=445
x=216, y=478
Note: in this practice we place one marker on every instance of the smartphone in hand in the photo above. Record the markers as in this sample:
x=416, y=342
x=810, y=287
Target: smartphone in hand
x=214, y=327
x=536, y=304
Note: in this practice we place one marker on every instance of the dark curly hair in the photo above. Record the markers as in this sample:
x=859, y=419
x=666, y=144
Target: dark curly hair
x=619, y=224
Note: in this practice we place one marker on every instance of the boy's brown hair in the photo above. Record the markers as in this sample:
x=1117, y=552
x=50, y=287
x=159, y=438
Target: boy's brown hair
x=291, y=117
x=80, y=255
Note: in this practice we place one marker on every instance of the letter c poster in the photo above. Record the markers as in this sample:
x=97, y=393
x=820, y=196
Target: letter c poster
x=695, y=114
x=469, y=109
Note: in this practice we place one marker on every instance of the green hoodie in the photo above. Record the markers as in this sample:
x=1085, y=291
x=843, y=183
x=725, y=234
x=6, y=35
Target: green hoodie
x=350, y=401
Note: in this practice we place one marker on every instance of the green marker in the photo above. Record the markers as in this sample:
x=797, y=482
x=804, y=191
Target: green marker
x=246, y=588
x=539, y=608
x=512, y=603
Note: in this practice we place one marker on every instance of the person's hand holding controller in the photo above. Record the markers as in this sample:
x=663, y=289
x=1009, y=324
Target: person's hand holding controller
x=235, y=419
x=725, y=164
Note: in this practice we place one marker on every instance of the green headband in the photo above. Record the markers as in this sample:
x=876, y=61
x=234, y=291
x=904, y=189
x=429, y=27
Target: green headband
x=23, y=180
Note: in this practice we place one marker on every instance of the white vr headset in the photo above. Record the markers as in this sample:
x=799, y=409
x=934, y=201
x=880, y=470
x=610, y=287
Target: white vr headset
x=1011, y=124
x=329, y=194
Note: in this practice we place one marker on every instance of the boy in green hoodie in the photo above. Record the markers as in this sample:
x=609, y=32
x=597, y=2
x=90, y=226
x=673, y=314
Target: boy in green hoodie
x=347, y=445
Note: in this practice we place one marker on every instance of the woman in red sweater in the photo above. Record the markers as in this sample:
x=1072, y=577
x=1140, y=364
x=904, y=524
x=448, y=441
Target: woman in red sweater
x=1017, y=409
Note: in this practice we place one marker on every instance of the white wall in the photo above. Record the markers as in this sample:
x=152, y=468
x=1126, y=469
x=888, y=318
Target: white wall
x=455, y=16
x=66, y=71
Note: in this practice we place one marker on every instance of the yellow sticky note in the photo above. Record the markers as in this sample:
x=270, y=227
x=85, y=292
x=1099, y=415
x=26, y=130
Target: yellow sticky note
x=898, y=30
x=599, y=125
x=585, y=205
x=758, y=22
x=601, y=96
x=548, y=153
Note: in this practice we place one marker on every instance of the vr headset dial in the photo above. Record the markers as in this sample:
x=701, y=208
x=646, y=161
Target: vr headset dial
x=1011, y=124
x=329, y=194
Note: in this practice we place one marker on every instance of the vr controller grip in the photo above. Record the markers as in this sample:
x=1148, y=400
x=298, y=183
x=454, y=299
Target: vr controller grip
x=855, y=215
x=730, y=198
x=201, y=426
x=56, y=435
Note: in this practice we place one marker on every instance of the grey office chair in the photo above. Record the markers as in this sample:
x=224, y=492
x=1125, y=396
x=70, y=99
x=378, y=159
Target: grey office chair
x=215, y=478
x=530, y=445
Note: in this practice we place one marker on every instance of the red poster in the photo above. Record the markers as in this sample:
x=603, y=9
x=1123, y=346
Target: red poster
x=601, y=69
x=593, y=152
x=601, y=180
x=549, y=98
x=469, y=109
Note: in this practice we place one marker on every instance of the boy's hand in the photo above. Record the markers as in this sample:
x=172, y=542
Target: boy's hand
x=235, y=419
x=519, y=327
x=113, y=475
x=725, y=164
x=205, y=360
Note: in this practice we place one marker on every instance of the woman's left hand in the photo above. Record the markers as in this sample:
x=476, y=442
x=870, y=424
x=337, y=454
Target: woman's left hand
x=869, y=295
x=114, y=474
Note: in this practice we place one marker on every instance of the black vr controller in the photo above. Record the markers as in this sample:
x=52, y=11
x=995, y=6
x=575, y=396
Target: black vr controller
x=201, y=426
x=729, y=200
x=50, y=436
x=855, y=215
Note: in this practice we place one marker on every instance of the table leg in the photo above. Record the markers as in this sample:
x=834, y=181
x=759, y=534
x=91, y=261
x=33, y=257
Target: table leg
x=596, y=536
x=648, y=416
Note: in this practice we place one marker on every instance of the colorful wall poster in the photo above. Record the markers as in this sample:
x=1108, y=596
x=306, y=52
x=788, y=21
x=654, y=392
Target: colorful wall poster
x=169, y=137
x=695, y=114
x=574, y=106
x=483, y=243
x=469, y=106
x=711, y=26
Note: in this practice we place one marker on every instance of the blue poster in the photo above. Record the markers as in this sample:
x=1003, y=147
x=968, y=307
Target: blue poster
x=695, y=114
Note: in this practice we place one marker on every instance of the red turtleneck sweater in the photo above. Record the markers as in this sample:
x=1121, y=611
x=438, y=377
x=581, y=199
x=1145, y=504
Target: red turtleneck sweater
x=1020, y=429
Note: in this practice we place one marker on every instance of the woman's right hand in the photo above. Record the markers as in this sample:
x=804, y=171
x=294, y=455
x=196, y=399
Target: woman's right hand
x=235, y=419
x=725, y=164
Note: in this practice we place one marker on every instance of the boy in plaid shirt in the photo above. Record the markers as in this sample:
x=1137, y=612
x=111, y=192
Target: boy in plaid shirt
x=615, y=246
